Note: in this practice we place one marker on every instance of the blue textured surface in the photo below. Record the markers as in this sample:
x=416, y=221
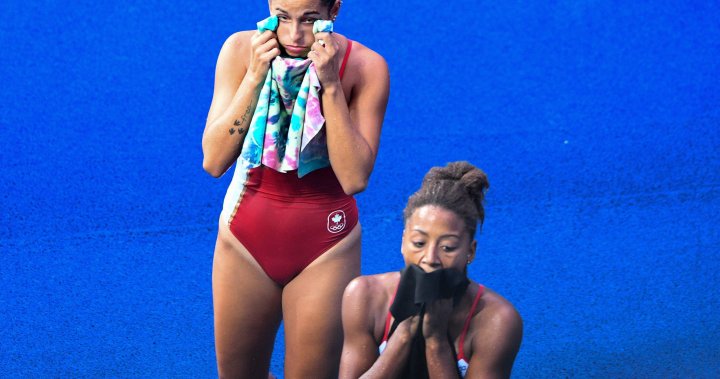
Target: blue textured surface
x=598, y=124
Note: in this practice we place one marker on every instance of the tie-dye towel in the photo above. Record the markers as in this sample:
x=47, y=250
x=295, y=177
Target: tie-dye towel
x=286, y=129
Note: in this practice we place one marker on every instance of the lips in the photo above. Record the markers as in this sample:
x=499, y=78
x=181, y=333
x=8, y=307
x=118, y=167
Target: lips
x=295, y=50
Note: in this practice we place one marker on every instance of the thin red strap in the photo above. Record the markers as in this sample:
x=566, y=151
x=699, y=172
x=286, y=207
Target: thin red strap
x=389, y=316
x=345, y=58
x=387, y=328
x=461, y=352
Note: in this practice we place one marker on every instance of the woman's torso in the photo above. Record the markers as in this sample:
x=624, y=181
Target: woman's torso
x=461, y=326
x=322, y=185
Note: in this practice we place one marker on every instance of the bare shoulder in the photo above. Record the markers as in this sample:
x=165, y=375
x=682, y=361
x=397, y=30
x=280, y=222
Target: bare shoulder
x=366, y=302
x=235, y=51
x=496, y=335
x=371, y=289
x=498, y=314
x=239, y=40
x=497, y=331
x=366, y=61
x=367, y=55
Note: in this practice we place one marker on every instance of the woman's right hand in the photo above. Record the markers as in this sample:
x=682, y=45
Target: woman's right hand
x=437, y=319
x=264, y=47
x=408, y=328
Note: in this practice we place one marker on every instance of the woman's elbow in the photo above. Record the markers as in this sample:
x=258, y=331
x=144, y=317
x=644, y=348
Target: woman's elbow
x=354, y=185
x=215, y=170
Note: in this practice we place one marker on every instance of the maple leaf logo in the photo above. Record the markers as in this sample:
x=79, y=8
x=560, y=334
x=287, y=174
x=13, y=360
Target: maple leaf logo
x=336, y=221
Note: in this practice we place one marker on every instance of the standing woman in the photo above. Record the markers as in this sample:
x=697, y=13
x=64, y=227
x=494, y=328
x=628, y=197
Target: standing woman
x=475, y=334
x=288, y=243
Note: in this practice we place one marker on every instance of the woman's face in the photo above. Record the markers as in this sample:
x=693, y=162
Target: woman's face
x=296, y=18
x=436, y=238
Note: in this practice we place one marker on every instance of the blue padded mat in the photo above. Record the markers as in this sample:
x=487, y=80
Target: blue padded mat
x=598, y=124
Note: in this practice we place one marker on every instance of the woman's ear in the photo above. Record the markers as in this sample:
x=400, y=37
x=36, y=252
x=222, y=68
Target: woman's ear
x=471, y=253
x=335, y=10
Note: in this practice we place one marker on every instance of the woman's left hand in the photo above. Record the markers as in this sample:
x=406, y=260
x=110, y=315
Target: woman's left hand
x=324, y=53
x=437, y=318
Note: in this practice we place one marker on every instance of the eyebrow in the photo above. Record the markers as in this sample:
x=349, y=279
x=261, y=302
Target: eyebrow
x=307, y=13
x=441, y=237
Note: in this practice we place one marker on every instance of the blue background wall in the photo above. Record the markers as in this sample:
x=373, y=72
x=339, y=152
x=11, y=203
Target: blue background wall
x=598, y=123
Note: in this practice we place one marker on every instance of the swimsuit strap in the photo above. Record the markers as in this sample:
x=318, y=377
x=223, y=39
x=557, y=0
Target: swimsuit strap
x=389, y=316
x=461, y=354
x=345, y=58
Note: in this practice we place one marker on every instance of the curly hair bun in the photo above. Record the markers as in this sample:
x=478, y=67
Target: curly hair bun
x=459, y=187
x=473, y=179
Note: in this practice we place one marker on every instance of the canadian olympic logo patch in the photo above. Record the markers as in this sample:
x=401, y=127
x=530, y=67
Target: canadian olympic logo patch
x=336, y=221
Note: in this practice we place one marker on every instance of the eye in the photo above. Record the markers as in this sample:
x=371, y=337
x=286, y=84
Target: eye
x=418, y=244
x=283, y=17
x=448, y=249
x=309, y=20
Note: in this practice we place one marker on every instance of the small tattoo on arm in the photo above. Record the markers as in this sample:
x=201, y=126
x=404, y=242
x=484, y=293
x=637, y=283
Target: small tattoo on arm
x=240, y=121
x=239, y=131
x=244, y=116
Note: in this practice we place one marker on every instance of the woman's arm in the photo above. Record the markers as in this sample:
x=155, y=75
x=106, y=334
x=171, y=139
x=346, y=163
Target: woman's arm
x=360, y=357
x=237, y=87
x=441, y=362
x=496, y=343
x=353, y=130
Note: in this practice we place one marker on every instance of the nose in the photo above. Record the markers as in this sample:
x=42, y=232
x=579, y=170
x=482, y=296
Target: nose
x=296, y=34
x=431, y=258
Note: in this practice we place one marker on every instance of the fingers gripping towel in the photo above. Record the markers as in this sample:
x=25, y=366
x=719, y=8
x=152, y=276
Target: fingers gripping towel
x=415, y=290
x=286, y=131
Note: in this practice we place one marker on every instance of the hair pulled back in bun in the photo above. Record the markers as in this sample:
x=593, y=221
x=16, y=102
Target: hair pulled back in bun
x=458, y=187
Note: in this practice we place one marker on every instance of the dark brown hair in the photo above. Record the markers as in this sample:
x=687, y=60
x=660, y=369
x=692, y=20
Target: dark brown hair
x=328, y=3
x=458, y=187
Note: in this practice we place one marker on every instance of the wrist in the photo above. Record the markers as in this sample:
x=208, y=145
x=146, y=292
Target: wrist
x=436, y=344
x=435, y=333
x=402, y=336
x=255, y=79
x=332, y=88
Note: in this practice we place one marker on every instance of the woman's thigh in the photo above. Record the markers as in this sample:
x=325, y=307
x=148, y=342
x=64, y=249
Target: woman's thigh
x=311, y=306
x=247, y=309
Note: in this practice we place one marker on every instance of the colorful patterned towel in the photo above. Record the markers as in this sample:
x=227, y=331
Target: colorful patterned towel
x=286, y=132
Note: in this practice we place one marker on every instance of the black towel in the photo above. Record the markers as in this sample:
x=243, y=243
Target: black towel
x=416, y=288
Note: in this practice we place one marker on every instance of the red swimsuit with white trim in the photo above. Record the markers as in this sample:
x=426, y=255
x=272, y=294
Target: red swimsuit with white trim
x=286, y=222
x=461, y=360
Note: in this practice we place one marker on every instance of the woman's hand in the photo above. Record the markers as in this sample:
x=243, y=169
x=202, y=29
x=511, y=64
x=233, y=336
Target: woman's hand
x=324, y=53
x=407, y=328
x=263, y=48
x=437, y=319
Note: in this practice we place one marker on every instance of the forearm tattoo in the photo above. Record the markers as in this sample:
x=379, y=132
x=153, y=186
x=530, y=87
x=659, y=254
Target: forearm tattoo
x=240, y=121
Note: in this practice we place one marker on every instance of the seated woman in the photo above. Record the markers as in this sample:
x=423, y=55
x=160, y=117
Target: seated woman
x=462, y=330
